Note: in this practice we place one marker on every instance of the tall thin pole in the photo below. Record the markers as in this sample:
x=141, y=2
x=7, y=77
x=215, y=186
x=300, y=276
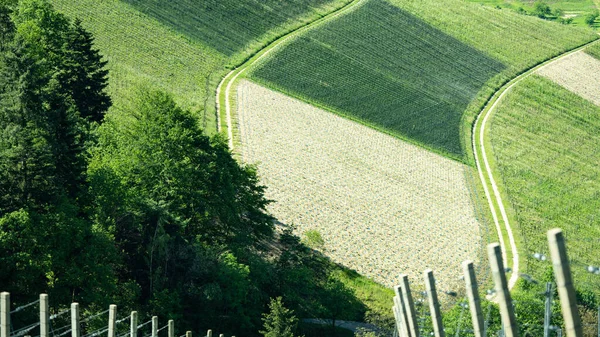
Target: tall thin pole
x=509, y=322
x=434, y=304
x=75, y=326
x=4, y=314
x=474, y=300
x=112, y=320
x=548, y=312
x=409, y=306
x=171, y=328
x=401, y=306
x=133, y=330
x=564, y=283
x=154, y=326
x=401, y=318
x=44, y=316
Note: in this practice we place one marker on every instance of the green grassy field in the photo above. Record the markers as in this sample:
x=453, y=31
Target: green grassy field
x=545, y=140
x=183, y=46
x=413, y=68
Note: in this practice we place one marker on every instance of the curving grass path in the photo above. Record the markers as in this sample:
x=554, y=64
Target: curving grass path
x=223, y=96
x=487, y=170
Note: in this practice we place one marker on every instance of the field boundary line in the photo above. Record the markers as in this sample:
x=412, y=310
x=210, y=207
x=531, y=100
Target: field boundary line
x=487, y=178
x=223, y=97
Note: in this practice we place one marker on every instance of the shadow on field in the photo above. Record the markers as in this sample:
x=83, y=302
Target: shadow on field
x=225, y=25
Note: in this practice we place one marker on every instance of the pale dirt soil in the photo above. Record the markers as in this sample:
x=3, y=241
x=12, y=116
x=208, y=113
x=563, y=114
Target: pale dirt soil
x=383, y=206
x=579, y=73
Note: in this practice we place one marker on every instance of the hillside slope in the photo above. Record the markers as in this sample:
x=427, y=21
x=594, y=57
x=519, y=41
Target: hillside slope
x=182, y=46
x=545, y=140
x=412, y=68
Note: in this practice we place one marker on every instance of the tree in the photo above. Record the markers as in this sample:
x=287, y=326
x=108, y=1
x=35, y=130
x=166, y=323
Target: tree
x=27, y=169
x=590, y=19
x=280, y=321
x=83, y=75
x=541, y=9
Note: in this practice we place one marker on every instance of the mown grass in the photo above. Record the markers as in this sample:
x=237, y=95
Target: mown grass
x=413, y=68
x=545, y=141
x=183, y=46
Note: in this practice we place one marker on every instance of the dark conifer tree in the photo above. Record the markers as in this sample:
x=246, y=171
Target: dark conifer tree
x=83, y=75
x=27, y=166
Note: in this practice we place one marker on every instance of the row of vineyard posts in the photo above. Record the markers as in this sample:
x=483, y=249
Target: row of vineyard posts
x=406, y=317
x=110, y=329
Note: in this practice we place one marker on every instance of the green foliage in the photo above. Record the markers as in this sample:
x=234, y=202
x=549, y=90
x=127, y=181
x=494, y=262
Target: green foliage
x=314, y=240
x=44, y=138
x=280, y=321
x=541, y=9
x=590, y=19
x=545, y=140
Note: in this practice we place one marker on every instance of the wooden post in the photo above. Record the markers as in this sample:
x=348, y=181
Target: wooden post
x=209, y=333
x=401, y=318
x=564, y=283
x=474, y=300
x=401, y=305
x=509, y=322
x=171, y=328
x=409, y=306
x=133, y=323
x=75, y=326
x=44, y=316
x=189, y=334
x=434, y=304
x=4, y=314
x=112, y=320
x=154, y=326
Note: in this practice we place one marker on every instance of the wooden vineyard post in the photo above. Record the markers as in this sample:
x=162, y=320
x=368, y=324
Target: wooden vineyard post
x=474, y=300
x=401, y=308
x=171, y=328
x=112, y=320
x=509, y=322
x=133, y=324
x=4, y=314
x=434, y=304
x=564, y=283
x=154, y=326
x=44, y=316
x=409, y=306
x=75, y=326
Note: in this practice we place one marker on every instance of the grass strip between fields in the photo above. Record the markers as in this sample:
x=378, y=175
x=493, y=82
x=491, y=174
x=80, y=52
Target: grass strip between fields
x=223, y=100
x=483, y=151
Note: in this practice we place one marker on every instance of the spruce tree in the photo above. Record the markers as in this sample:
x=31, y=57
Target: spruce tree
x=280, y=321
x=27, y=167
x=83, y=74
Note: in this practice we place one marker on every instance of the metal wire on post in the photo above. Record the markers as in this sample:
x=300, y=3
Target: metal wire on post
x=24, y=306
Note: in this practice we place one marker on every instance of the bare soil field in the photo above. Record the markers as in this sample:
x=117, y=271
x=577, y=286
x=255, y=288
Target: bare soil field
x=383, y=206
x=579, y=73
